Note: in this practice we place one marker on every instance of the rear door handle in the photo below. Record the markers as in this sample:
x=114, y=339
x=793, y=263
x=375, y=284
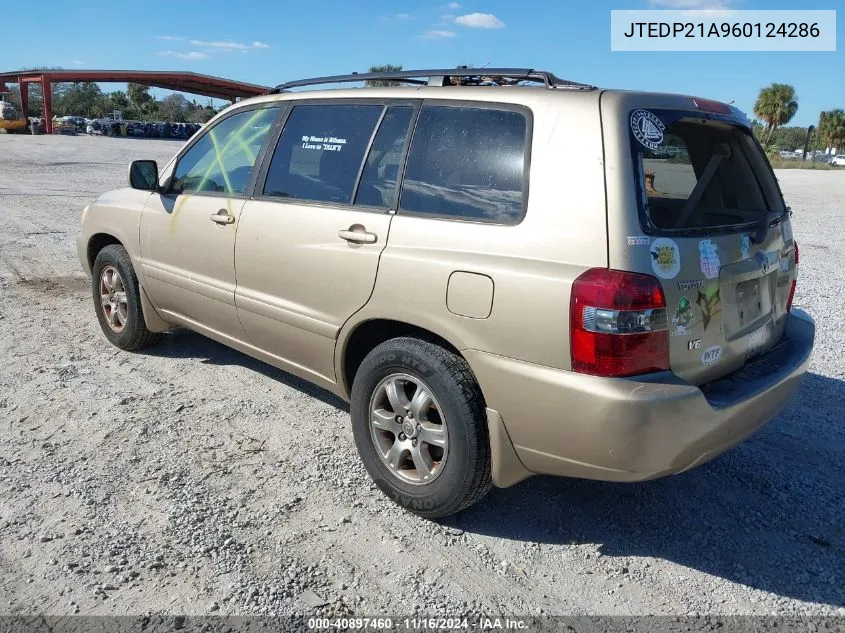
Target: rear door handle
x=222, y=217
x=358, y=235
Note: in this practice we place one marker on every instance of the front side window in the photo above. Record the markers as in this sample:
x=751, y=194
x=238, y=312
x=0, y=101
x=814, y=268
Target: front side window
x=467, y=163
x=320, y=152
x=221, y=161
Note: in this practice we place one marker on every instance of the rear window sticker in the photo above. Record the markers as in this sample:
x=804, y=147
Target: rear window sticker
x=694, y=284
x=325, y=143
x=711, y=355
x=683, y=318
x=694, y=344
x=638, y=240
x=710, y=303
x=745, y=246
x=647, y=129
x=709, y=256
x=665, y=258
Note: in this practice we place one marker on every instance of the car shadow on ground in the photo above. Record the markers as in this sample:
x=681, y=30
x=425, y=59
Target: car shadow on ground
x=768, y=514
x=187, y=344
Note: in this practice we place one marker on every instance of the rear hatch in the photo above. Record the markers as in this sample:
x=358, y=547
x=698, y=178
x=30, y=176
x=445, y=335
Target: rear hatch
x=693, y=202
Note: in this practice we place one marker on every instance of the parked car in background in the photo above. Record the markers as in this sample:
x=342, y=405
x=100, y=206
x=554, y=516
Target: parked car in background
x=625, y=318
x=838, y=160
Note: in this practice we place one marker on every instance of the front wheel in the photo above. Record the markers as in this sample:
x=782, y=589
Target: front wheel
x=418, y=418
x=117, y=300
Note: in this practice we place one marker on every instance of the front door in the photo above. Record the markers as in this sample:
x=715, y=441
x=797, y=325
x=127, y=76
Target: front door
x=188, y=232
x=308, y=246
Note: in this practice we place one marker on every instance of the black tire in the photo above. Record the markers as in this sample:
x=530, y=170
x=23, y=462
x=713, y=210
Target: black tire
x=465, y=477
x=134, y=334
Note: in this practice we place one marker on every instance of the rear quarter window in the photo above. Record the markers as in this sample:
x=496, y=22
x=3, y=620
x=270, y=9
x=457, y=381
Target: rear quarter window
x=467, y=163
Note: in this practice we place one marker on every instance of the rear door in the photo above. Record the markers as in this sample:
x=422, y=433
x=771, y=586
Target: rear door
x=308, y=245
x=702, y=212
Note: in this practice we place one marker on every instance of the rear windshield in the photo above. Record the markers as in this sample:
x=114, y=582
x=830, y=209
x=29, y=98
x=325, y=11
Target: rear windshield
x=699, y=173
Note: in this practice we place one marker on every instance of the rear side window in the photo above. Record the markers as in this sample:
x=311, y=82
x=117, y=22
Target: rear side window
x=320, y=152
x=381, y=173
x=697, y=173
x=467, y=163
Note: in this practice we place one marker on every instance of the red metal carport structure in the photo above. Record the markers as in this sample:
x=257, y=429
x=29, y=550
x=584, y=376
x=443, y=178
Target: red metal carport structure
x=193, y=83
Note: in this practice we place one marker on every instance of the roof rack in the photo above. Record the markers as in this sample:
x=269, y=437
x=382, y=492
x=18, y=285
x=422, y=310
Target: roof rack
x=461, y=76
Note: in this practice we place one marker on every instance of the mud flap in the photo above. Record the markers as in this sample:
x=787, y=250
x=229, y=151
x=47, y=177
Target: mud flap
x=507, y=469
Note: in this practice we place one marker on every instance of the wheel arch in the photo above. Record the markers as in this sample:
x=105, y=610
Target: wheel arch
x=96, y=243
x=365, y=335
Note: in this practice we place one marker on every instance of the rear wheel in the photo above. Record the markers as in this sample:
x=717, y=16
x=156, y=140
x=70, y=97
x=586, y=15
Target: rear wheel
x=117, y=300
x=419, y=423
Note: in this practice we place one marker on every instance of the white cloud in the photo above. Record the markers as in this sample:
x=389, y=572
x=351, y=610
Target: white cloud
x=170, y=38
x=76, y=62
x=220, y=44
x=691, y=4
x=453, y=5
x=192, y=55
x=480, y=21
x=437, y=34
x=260, y=45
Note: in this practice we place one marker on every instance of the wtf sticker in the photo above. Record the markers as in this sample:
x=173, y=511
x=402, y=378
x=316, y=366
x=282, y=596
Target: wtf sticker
x=709, y=257
x=711, y=355
x=665, y=258
x=647, y=129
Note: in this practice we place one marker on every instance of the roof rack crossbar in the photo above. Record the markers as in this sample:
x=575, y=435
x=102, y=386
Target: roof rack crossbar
x=437, y=77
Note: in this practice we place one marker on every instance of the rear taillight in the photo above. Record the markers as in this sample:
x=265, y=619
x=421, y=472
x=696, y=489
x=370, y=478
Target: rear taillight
x=794, y=281
x=618, y=324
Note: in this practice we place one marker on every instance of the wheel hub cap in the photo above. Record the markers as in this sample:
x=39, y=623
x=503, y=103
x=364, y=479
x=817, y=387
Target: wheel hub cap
x=113, y=299
x=408, y=429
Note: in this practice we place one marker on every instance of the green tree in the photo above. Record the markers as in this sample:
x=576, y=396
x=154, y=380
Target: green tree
x=789, y=138
x=173, y=108
x=201, y=114
x=832, y=128
x=776, y=105
x=384, y=68
x=140, y=97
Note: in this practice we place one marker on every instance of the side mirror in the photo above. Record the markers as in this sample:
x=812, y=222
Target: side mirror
x=143, y=175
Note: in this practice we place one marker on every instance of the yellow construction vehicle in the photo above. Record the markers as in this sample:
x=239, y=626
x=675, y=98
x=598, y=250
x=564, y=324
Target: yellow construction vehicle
x=10, y=121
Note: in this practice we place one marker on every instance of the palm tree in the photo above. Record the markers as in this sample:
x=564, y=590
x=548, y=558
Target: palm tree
x=832, y=128
x=776, y=105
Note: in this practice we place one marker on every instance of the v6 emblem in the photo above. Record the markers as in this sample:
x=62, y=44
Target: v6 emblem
x=696, y=344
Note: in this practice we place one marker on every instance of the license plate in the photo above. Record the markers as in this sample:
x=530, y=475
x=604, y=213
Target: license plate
x=749, y=302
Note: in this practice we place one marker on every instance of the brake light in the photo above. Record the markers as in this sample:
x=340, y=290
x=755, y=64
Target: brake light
x=618, y=324
x=710, y=105
x=794, y=283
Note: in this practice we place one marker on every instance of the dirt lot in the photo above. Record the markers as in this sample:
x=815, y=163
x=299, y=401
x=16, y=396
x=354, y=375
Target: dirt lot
x=193, y=479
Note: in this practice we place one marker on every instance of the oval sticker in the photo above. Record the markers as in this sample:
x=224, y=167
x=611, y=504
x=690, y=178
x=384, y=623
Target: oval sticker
x=665, y=258
x=647, y=128
x=711, y=355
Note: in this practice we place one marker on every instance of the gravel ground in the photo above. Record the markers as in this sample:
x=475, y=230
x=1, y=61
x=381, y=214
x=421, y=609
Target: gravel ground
x=193, y=479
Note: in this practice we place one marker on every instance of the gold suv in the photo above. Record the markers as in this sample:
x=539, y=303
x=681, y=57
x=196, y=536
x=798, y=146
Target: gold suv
x=505, y=274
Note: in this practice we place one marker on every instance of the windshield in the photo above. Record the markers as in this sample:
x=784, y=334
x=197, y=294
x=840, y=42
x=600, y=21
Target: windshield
x=696, y=173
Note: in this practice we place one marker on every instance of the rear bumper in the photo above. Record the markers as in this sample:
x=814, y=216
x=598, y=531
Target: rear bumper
x=632, y=429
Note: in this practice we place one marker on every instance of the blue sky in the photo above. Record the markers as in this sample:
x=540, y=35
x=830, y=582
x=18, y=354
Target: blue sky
x=268, y=42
